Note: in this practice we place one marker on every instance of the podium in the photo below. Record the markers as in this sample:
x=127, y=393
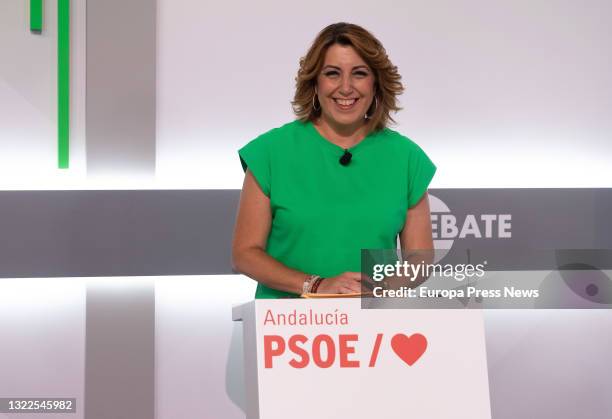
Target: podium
x=333, y=359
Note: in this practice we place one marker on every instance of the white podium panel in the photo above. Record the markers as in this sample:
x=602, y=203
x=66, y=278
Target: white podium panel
x=330, y=359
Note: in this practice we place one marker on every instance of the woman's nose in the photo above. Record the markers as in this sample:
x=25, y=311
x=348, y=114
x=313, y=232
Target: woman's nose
x=346, y=86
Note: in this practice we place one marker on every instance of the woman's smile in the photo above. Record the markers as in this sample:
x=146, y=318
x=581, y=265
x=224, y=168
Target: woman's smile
x=345, y=104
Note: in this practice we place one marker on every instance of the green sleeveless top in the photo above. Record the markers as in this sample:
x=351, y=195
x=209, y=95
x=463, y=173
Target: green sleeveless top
x=324, y=213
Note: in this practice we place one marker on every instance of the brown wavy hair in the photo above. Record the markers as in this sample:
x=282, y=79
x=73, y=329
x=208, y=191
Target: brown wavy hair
x=387, y=82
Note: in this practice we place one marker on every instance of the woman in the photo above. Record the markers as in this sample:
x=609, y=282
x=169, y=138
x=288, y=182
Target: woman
x=334, y=181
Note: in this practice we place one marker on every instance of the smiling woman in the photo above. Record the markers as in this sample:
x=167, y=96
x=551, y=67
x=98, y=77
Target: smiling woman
x=334, y=181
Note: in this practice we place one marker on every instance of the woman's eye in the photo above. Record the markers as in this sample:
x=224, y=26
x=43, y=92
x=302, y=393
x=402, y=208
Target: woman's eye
x=360, y=73
x=332, y=73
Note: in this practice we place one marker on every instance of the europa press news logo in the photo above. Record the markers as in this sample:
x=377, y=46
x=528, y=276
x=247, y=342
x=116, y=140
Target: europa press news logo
x=448, y=227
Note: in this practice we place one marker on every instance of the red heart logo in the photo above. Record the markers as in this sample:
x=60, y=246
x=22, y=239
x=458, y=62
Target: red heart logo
x=409, y=349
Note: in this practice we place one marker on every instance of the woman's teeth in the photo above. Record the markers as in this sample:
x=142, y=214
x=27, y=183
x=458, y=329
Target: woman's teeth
x=345, y=102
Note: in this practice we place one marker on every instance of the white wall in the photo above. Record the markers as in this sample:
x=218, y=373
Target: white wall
x=199, y=358
x=506, y=94
x=42, y=340
x=28, y=98
x=500, y=94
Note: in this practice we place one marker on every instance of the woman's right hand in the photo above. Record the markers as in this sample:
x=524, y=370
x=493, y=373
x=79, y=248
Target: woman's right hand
x=345, y=283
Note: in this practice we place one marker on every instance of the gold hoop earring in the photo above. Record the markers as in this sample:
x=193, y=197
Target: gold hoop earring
x=366, y=116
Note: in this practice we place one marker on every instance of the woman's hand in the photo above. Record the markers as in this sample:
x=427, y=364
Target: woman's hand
x=345, y=283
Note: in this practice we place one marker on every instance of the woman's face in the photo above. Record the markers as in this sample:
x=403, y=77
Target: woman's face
x=345, y=87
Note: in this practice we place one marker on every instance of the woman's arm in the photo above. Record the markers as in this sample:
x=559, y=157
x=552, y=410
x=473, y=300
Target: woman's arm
x=416, y=234
x=249, y=248
x=250, y=237
x=416, y=239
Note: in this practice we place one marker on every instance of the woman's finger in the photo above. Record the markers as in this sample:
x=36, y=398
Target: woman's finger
x=353, y=276
x=351, y=288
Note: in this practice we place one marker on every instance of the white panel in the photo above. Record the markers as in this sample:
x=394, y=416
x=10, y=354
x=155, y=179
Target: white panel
x=42, y=340
x=550, y=363
x=502, y=94
x=199, y=362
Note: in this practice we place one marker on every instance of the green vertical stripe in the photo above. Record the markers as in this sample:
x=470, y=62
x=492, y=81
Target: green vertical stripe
x=36, y=15
x=63, y=82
